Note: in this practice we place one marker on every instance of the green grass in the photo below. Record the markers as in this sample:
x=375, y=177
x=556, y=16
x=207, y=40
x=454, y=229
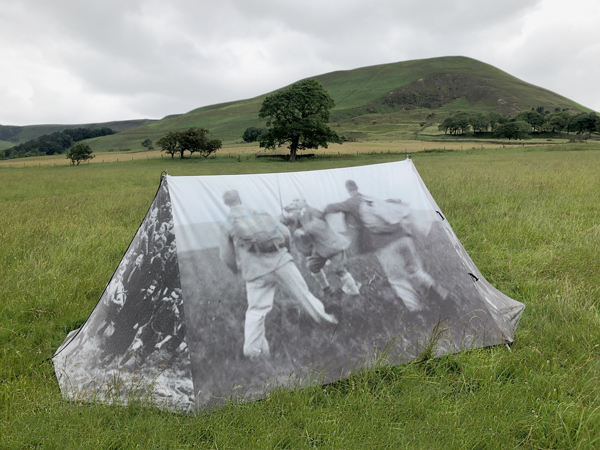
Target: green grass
x=529, y=218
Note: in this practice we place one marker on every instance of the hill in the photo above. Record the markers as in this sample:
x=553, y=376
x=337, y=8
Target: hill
x=11, y=135
x=383, y=102
x=389, y=101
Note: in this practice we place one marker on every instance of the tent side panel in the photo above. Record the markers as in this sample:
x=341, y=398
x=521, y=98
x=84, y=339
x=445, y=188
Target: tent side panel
x=260, y=314
x=505, y=310
x=133, y=345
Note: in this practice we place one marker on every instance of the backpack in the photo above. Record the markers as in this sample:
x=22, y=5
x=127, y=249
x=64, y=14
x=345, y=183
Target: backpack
x=257, y=229
x=383, y=216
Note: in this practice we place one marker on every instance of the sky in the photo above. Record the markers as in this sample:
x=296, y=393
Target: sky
x=75, y=62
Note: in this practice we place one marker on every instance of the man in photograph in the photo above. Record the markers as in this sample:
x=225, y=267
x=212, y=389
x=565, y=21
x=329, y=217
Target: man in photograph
x=315, y=239
x=385, y=228
x=257, y=245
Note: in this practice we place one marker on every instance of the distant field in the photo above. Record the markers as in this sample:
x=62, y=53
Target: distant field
x=528, y=216
x=248, y=150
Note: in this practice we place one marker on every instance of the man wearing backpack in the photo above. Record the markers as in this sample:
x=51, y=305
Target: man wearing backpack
x=258, y=246
x=384, y=228
x=315, y=239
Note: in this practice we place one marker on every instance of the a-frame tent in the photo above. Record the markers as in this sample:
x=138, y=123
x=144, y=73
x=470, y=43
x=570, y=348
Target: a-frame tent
x=198, y=311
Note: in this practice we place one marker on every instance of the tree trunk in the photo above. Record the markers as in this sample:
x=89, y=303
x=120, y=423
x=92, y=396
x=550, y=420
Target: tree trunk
x=294, y=149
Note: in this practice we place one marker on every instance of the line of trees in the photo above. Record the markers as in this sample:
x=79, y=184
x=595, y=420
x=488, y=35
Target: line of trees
x=58, y=142
x=521, y=125
x=193, y=140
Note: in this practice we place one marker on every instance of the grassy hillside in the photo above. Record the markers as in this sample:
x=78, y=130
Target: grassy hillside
x=525, y=215
x=13, y=135
x=384, y=102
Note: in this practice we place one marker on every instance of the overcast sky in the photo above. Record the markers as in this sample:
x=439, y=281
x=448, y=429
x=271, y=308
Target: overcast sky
x=74, y=61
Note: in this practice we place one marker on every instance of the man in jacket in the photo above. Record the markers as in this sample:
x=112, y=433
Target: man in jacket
x=392, y=243
x=265, y=268
x=316, y=240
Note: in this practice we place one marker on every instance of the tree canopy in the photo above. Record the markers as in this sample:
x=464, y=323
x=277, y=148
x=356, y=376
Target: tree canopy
x=193, y=140
x=298, y=116
x=513, y=129
x=252, y=134
x=79, y=152
x=147, y=144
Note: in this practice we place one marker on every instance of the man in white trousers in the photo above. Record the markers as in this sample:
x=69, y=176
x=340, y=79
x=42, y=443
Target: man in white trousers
x=265, y=265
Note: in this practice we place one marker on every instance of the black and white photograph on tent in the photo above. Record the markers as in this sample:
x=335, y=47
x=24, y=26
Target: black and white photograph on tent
x=135, y=335
x=288, y=277
x=236, y=283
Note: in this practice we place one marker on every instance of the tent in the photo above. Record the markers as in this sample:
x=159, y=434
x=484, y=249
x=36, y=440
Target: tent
x=235, y=283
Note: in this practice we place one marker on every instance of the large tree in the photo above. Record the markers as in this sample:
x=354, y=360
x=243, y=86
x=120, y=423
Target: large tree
x=298, y=116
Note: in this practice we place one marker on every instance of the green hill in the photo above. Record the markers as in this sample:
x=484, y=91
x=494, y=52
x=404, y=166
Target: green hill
x=390, y=101
x=383, y=102
x=11, y=135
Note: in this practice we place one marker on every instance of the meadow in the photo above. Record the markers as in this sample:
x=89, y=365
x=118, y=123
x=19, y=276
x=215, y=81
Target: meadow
x=528, y=216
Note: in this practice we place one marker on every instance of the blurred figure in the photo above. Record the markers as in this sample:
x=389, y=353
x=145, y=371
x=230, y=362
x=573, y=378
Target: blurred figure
x=258, y=246
x=315, y=239
x=384, y=228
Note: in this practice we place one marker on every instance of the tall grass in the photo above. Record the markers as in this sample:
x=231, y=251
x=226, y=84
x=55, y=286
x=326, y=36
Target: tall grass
x=529, y=219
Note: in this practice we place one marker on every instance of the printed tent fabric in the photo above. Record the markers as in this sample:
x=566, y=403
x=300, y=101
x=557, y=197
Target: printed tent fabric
x=236, y=283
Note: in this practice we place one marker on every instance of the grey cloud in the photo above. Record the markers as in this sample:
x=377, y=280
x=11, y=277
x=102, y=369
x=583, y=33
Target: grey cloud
x=154, y=57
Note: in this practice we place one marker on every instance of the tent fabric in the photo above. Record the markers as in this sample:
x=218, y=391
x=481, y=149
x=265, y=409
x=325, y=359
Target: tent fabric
x=235, y=283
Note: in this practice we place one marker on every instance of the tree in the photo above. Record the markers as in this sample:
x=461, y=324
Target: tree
x=533, y=118
x=447, y=125
x=557, y=121
x=79, y=152
x=147, y=144
x=193, y=140
x=252, y=134
x=168, y=143
x=298, y=116
x=211, y=146
x=514, y=129
x=456, y=124
x=584, y=122
x=479, y=122
x=495, y=119
x=461, y=120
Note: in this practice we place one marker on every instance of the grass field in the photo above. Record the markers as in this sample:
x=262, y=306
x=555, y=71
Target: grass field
x=249, y=150
x=528, y=216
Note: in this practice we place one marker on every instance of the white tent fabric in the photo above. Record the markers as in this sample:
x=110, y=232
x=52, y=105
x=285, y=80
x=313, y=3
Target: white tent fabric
x=235, y=282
